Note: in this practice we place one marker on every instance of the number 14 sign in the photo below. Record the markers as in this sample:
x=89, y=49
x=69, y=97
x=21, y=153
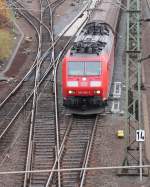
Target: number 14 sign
x=140, y=135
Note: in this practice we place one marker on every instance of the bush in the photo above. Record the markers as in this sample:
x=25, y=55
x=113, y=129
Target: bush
x=5, y=13
x=5, y=44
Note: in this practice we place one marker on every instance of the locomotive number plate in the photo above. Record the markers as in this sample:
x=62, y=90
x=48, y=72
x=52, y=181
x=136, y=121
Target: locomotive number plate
x=83, y=92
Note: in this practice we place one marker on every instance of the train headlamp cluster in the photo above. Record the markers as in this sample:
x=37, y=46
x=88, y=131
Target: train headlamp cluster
x=97, y=91
x=72, y=83
x=95, y=83
x=71, y=92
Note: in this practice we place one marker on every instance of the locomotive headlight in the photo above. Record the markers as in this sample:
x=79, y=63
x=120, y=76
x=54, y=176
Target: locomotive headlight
x=95, y=83
x=72, y=83
x=71, y=92
x=97, y=91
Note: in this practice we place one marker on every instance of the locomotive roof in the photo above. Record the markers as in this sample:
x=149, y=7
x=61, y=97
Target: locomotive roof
x=106, y=12
x=98, y=34
x=95, y=38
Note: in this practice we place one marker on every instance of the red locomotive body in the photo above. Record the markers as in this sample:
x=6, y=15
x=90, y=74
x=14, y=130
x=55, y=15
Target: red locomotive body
x=88, y=66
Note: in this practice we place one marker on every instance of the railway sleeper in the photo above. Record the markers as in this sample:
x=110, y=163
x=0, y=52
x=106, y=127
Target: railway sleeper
x=47, y=128
x=82, y=143
x=72, y=165
x=72, y=162
x=71, y=159
x=39, y=152
x=73, y=151
x=43, y=134
x=43, y=158
x=47, y=137
x=45, y=119
x=44, y=163
x=43, y=146
x=38, y=181
x=70, y=177
x=70, y=183
x=45, y=141
x=43, y=166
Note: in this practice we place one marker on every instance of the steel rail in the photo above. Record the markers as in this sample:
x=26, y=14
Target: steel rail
x=37, y=31
x=87, y=152
x=39, y=21
x=89, y=147
x=29, y=13
x=27, y=100
x=76, y=148
x=45, y=75
x=37, y=56
x=19, y=111
x=15, y=117
x=57, y=131
x=25, y=104
x=34, y=104
x=35, y=28
x=52, y=66
x=46, y=17
x=59, y=148
x=59, y=151
x=41, y=59
x=30, y=140
x=33, y=111
x=55, y=86
x=98, y=168
x=56, y=121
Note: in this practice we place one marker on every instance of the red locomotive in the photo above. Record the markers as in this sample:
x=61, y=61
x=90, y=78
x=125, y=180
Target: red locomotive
x=88, y=66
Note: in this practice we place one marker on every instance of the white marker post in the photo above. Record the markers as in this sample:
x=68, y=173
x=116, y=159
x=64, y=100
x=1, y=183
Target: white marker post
x=140, y=137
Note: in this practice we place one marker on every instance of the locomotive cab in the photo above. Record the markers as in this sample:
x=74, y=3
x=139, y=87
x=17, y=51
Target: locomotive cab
x=84, y=83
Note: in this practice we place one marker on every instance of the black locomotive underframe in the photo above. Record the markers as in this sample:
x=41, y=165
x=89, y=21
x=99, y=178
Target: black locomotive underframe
x=83, y=102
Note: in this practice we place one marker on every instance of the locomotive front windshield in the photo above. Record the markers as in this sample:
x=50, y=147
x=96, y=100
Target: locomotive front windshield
x=84, y=68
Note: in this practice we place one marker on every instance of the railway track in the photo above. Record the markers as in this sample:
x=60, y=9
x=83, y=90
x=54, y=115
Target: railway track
x=11, y=109
x=29, y=75
x=53, y=143
x=7, y=133
x=43, y=139
x=15, y=102
x=76, y=149
x=35, y=119
x=24, y=91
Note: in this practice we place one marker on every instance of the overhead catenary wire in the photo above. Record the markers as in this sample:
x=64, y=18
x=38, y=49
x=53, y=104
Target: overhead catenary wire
x=75, y=169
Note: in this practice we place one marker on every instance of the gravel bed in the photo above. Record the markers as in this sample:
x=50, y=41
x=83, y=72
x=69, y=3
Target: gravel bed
x=108, y=150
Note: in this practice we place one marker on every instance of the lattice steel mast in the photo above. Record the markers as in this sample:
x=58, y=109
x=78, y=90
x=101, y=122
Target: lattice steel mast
x=133, y=85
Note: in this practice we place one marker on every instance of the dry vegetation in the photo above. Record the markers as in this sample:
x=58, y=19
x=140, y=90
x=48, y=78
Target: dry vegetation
x=5, y=31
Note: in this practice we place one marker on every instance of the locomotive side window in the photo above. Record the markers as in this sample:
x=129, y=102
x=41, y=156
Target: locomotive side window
x=76, y=68
x=92, y=68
